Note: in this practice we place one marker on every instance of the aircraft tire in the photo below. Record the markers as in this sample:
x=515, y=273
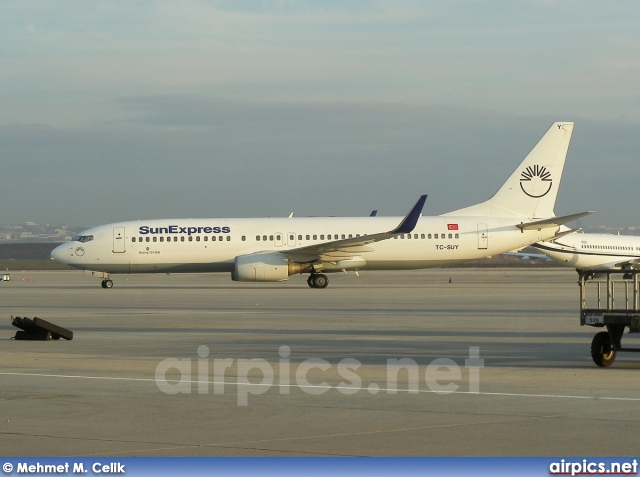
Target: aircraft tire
x=107, y=283
x=310, y=282
x=602, y=351
x=320, y=281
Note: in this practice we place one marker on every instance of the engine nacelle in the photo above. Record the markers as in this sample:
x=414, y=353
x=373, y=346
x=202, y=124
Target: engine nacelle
x=264, y=267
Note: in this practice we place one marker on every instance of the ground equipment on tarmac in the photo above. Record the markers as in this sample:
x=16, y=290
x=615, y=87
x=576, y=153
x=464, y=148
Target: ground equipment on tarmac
x=613, y=302
x=39, y=329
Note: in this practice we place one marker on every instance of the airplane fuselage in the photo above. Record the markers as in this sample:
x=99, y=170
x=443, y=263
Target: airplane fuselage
x=211, y=245
x=272, y=249
x=594, y=251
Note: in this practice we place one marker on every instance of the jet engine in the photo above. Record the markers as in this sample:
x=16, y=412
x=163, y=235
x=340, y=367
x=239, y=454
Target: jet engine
x=264, y=267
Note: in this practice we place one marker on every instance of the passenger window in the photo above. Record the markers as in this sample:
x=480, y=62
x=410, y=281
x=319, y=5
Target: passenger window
x=162, y=239
x=270, y=238
x=315, y=237
x=308, y=237
x=350, y=235
x=244, y=238
x=257, y=238
x=421, y=236
x=264, y=237
x=155, y=239
x=457, y=235
x=148, y=239
x=182, y=238
x=415, y=236
x=228, y=238
x=133, y=239
x=206, y=238
x=450, y=235
x=343, y=236
x=429, y=236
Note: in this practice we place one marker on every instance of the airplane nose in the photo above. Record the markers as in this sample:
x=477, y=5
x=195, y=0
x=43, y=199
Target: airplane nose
x=61, y=253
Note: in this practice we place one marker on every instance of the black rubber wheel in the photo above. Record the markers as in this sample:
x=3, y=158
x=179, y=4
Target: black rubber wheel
x=320, y=281
x=108, y=284
x=602, y=350
x=104, y=284
x=310, y=281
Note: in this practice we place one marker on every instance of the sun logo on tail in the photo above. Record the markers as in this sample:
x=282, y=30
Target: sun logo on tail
x=536, y=181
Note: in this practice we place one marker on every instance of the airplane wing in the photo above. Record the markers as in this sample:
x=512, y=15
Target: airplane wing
x=552, y=240
x=528, y=256
x=552, y=222
x=562, y=234
x=346, y=248
x=633, y=264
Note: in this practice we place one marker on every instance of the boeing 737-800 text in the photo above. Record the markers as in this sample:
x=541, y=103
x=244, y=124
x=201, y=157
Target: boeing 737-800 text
x=272, y=249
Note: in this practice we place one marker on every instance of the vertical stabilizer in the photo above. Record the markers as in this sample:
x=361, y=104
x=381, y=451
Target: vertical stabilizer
x=532, y=189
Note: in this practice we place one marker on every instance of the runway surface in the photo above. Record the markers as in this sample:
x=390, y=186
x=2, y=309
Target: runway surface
x=495, y=363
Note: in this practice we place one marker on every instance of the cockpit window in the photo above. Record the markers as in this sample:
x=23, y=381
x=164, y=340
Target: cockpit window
x=83, y=238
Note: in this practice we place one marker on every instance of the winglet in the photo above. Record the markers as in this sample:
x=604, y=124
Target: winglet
x=411, y=219
x=373, y=213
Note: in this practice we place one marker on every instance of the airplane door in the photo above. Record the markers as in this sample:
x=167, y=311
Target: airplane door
x=118, y=240
x=291, y=239
x=483, y=237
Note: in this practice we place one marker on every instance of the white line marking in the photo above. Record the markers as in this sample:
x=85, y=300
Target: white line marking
x=389, y=390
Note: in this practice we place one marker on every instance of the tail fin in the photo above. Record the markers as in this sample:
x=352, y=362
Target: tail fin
x=532, y=189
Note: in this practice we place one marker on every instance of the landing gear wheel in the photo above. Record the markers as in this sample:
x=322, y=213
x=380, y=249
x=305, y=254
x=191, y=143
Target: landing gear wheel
x=602, y=350
x=310, y=281
x=107, y=283
x=320, y=281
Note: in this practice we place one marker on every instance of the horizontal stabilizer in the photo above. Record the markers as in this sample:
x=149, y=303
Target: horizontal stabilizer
x=552, y=222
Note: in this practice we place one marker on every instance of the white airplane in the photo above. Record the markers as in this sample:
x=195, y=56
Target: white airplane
x=272, y=249
x=593, y=251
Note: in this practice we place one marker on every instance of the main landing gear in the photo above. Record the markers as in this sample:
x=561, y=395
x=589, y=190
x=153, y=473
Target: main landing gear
x=107, y=283
x=317, y=280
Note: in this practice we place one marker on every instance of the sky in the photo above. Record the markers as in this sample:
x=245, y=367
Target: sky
x=119, y=110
